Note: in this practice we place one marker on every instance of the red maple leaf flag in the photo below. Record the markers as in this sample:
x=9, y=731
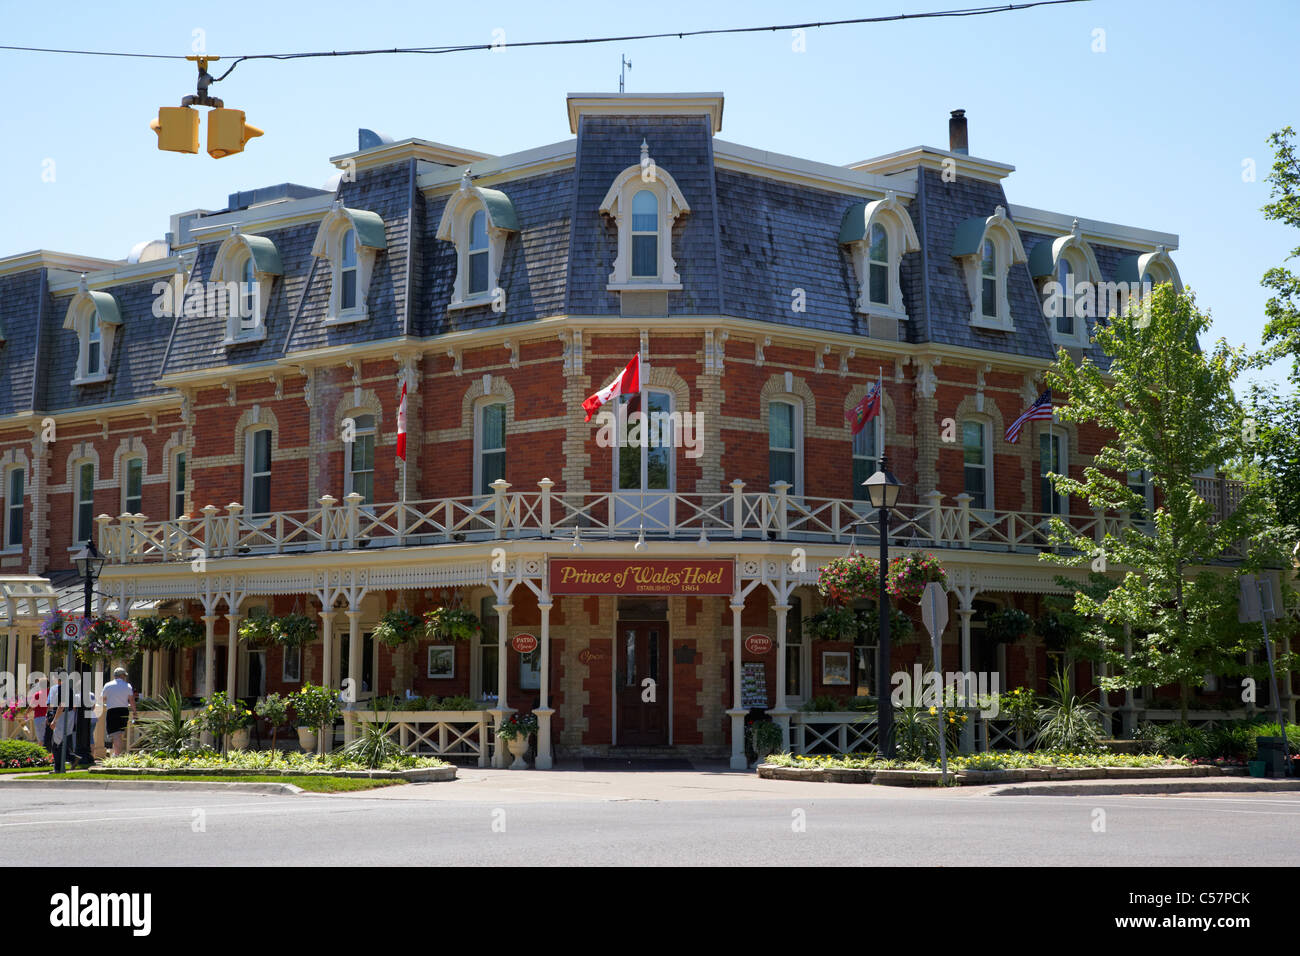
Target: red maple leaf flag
x=865, y=410
x=627, y=382
x=401, y=425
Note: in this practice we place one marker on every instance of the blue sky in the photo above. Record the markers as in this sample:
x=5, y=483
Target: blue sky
x=1151, y=132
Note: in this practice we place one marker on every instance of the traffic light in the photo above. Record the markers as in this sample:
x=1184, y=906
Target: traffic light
x=177, y=128
x=227, y=132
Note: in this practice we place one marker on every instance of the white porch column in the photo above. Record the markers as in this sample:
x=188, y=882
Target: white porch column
x=354, y=670
x=737, y=712
x=327, y=645
x=965, y=612
x=232, y=656
x=209, y=654
x=781, y=713
x=544, y=710
x=503, y=670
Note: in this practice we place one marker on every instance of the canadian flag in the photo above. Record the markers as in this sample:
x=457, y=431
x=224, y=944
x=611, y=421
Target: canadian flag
x=627, y=382
x=401, y=425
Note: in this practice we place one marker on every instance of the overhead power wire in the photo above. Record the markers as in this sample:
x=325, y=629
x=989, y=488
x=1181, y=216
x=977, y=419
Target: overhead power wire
x=627, y=38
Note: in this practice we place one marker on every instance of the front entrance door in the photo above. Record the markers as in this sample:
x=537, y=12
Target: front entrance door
x=641, y=682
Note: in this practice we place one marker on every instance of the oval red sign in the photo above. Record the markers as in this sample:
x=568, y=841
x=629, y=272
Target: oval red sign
x=524, y=643
x=758, y=643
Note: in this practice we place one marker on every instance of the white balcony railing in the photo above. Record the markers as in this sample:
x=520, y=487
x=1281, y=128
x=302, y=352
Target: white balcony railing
x=547, y=514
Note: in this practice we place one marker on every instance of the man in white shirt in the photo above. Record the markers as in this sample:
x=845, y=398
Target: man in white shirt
x=119, y=698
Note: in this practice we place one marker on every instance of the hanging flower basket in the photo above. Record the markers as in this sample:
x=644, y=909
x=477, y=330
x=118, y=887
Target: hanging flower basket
x=451, y=624
x=910, y=573
x=293, y=630
x=148, y=627
x=1009, y=624
x=396, y=628
x=108, y=639
x=835, y=622
x=257, y=631
x=52, y=629
x=178, y=633
x=842, y=581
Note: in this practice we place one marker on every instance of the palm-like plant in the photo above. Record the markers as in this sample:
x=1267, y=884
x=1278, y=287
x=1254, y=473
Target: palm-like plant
x=1068, y=721
x=916, y=733
x=172, y=733
x=374, y=745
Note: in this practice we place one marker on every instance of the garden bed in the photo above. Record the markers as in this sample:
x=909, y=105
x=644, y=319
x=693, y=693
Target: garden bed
x=415, y=775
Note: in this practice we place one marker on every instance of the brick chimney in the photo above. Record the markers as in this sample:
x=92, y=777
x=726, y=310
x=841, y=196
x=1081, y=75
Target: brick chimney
x=957, y=141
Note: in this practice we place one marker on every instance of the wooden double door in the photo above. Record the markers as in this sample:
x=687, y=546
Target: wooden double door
x=641, y=683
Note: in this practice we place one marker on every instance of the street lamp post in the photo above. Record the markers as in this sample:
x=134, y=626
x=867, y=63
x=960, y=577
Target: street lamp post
x=882, y=487
x=89, y=564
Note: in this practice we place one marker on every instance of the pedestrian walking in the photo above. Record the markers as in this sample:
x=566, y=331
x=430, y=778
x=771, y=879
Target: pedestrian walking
x=119, y=706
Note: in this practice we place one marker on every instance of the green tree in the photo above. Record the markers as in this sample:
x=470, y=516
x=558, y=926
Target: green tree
x=1168, y=409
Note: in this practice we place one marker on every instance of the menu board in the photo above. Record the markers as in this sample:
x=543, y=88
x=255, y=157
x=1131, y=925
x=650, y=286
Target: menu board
x=753, y=684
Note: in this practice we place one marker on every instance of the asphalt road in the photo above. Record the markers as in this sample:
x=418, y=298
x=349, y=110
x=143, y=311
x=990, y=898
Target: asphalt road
x=642, y=820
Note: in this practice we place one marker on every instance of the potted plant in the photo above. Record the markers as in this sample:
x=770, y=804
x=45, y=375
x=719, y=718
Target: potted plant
x=179, y=632
x=1007, y=625
x=258, y=631
x=909, y=574
x=108, y=639
x=226, y=720
x=274, y=709
x=515, y=730
x=315, y=707
x=835, y=622
x=396, y=627
x=293, y=630
x=451, y=623
x=844, y=580
x=765, y=738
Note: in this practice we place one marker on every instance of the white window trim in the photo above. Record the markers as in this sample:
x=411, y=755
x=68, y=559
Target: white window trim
x=77, y=465
x=1061, y=435
x=454, y=227
x=618, y=204
x=373, y=431
x=125, y=465
x=5, y=477
x=877, y=425
x=172, y=487
x=892, y=215
x=1006, y=240
x=793, y=400
x=249, y=452
x=672, y=451
x=228, y=267
x=329, y=245
x=479, y=405
x=1075, y=250
x=989, y=488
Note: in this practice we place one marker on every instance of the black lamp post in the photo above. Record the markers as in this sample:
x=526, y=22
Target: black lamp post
x=882, y=487
x=89, y=565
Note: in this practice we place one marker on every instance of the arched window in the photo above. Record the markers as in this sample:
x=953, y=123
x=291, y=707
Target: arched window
x=1065, y=276
x=785, y=445
x=133, y=485
x=178, y=484
x=478, y=254
x=348, y=271
x=249, y=290
x=361, y=460
x=14, y=509
x=878, y=265
x=257, y=473
x=866, y=456
x=989, y=280
x=84, y=503
x=645, y=235
x=489, y=444
x=977, y=464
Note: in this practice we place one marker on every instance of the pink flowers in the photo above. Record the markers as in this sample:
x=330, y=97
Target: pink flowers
x=844, y=580
x=910, y=573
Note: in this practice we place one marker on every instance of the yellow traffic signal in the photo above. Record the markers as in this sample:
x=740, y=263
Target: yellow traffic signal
x=177, y=128
x=227, y=132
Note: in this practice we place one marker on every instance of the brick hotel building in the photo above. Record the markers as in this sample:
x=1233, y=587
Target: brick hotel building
x=233, y=465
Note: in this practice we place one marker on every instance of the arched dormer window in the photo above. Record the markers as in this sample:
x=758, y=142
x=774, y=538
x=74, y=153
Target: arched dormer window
x=878, y=233
x=351, y=239
x=987, y=248
x=644, y=202
x=245, y=269
x=477, y=221
x=1135, y=274
x=95, y=317
x=1068, y=277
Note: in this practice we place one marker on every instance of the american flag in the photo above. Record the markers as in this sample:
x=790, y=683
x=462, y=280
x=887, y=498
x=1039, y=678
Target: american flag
x=1040, y=411
x=865, y=410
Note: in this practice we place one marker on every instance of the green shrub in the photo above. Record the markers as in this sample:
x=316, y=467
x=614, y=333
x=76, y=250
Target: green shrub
x=22, y=753
x=1068, y=722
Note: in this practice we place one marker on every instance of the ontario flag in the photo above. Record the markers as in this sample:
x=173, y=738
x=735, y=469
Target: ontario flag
x=865, y=410
x=626, y=382
x=401, y=425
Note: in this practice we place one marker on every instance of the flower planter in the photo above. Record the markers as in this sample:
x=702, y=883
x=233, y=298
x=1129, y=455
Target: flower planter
x=239, y=739
x=518, y=748
x=307, y=739
x=771, y=772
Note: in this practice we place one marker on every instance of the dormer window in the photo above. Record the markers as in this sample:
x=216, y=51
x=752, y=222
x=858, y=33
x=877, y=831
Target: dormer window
x=478, y=221
x=987, y=248
x=644, y=202
x=95, y=317
x=878, y=233
x=1138, y=273
x=1068, y=279
x=245, y=269
x=351, y=240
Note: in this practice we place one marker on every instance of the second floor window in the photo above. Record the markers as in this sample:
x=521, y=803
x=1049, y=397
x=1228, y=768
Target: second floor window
x=783, y=434
x=133, y=486
x=1051, y=460
x=975, y=463
x=258, y=470
x=348, y=271
x=1139, y=482
x=645, y=235
x=85, y=501
x=491, y=440
x=361, y=460
x=178, y=485
x=866, y=459
x=989, y=280
x=14, y=509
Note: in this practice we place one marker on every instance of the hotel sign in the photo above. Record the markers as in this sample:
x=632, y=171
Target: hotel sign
x=617, y=576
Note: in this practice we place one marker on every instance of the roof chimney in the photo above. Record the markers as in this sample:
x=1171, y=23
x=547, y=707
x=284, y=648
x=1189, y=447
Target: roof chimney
x=957, y=142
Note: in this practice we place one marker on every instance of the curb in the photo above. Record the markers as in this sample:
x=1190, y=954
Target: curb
x=1117, y=789
x=418, y=775
x=279, y=789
